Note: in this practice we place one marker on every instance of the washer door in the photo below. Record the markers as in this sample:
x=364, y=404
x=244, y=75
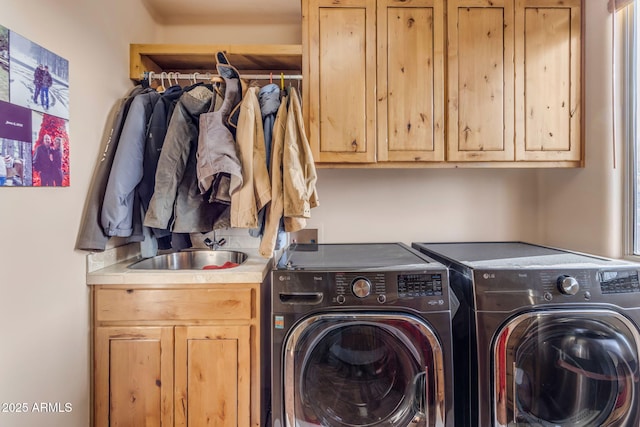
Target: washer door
x=570, y=369
x=363, y=369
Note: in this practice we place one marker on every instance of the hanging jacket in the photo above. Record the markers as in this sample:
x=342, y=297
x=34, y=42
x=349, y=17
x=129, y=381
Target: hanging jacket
x=120, y=197
x=216, y=146
x=269, y=98
x=176, y=203
x=255, y=192
x=91, y=236
x=275, y=209
x=299, y=180
x=156, y=132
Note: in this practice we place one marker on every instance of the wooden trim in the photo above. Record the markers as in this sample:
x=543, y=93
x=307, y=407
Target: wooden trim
x=455, y=165
x=250, y=58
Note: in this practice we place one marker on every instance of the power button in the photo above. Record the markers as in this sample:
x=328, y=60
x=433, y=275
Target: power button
x=340, y=299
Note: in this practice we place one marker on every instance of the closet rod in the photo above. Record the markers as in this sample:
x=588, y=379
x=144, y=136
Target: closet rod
x=150, y=75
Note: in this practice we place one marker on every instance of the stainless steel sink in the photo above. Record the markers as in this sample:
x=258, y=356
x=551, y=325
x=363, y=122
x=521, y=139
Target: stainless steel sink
x=192, y=260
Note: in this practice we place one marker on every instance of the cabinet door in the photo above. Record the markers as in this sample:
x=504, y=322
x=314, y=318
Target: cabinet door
x=481, y=80
x=548, y=80
x=133, y=376
x=213, y=376
x=340, y=81
x=410, y=80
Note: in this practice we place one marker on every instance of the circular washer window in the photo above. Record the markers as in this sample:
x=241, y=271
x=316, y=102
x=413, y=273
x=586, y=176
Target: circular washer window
x=364, y=370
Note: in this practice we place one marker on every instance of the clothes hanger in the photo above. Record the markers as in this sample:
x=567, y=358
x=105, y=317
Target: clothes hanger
x=161, y=88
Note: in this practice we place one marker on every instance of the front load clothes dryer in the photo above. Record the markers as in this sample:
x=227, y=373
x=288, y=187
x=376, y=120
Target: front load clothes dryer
x=551, y=336
x=361, y=336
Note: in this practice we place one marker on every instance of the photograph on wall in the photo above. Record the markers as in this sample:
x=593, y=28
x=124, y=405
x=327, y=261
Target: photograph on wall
x=39, y=79
x=4, y=64
x=34, y=112
x=15, y=145
x=50, y=155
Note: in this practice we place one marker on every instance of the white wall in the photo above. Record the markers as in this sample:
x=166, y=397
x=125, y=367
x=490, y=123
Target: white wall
x=582, y=208
x=44, y=305
x=425, y=205
x=231, y=33
x=44, y=311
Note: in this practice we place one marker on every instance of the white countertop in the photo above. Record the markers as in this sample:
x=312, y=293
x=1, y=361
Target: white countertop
x=102, y=272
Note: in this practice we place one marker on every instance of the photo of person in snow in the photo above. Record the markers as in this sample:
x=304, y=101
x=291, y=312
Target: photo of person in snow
x=38, y=78
x=44, y=90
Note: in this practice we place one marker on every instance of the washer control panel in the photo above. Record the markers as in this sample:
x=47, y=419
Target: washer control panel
x=361, y=287
x=419, y=285
x=421, y=290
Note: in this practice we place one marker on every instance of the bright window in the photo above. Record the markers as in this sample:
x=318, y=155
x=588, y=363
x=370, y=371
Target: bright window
x=627, y=43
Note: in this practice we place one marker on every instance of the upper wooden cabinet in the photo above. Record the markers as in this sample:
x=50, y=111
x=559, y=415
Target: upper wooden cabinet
x=339, y=90
x=410, y=80
x=511, y=94
x=359, y=54
x=481, y=74
x=548, y=80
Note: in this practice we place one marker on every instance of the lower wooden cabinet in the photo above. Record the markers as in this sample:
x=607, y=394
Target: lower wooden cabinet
x=177, y=357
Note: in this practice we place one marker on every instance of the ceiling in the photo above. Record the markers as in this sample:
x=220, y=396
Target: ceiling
x=199, y=12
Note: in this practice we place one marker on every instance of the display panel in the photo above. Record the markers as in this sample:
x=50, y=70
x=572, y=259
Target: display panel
x=419, y=285
x=619, y=281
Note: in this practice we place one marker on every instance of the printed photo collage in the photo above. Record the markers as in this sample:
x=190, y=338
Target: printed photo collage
x=34, y=114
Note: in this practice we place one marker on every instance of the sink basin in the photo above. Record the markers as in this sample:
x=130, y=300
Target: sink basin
x=192, y=260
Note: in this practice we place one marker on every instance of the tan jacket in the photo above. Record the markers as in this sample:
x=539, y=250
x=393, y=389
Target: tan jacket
x=293, y=174
x=255, y=192
x=299, y=176
x=275, y=209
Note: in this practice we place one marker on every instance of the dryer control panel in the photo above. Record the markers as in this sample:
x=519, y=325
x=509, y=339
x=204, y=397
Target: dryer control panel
x=505, y=290
x=619, y=281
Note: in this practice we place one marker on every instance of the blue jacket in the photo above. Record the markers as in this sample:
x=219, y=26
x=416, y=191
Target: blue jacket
x=120, y=199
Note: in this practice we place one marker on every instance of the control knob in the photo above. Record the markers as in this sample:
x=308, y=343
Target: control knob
x=361, y=287
x=568, y=285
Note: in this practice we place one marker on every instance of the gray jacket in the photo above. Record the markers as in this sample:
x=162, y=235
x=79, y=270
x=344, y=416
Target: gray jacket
x=217, y=152
x=91, y=236
x=121, y=205
x=177, y=204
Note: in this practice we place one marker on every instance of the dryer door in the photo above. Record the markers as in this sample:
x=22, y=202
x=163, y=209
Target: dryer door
x=363, y=369
x=570, y=368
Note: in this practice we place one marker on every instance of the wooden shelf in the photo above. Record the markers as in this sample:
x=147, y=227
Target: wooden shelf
x=200, y=58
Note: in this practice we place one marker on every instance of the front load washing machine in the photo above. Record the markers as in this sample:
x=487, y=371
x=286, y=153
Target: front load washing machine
x=361, y=336
x=552, y=336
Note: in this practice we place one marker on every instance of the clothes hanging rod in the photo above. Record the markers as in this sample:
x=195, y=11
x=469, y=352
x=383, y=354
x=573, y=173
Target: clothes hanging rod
x=150, y=75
